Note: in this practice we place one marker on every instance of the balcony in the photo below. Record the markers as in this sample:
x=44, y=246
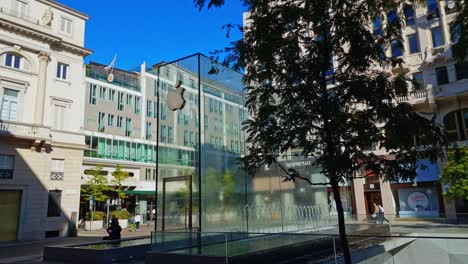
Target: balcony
x=453, y=89
x=19, y=15
x=23, y=130
x=416, y=97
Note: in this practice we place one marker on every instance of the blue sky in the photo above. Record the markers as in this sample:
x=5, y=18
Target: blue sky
x=153, y=30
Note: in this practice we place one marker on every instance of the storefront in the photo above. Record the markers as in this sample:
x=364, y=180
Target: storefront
x=423, y=197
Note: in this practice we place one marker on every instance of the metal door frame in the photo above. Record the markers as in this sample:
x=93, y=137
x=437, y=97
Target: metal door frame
x=175, y=179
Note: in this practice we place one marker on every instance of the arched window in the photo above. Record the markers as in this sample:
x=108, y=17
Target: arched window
x=456, y=125
x=15, y=60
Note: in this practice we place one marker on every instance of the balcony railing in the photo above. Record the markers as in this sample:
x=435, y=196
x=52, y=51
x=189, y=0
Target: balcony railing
x=23, y=130
x=414, y=97
x=56, y=176
x=120, y=79
x=17, y=14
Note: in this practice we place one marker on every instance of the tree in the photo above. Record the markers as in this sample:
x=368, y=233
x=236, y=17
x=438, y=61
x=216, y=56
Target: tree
x=96, y=185
x=119, y=176
x=455, y=173
x=321, y=82
x=460, y=29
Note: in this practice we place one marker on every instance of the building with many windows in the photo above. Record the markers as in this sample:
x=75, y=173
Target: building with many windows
x=199, y=183
x=428, y=36
x=41, y=143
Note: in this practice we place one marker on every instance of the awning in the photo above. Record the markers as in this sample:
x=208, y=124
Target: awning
x=140, y=192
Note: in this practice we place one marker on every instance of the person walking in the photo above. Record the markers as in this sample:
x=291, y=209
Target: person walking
x=137, y=221
x=382, y=215
x=375, y=215
x=132, y=223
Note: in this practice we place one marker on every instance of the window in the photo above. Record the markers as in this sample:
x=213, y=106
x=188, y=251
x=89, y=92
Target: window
x=101, y=122
x=442, y=75
x=59, y=116
x=413, y=43
x=163, y=133
x=119, y=121
x=7, y=164
x=409, y=14
x=12, y=60
x=111, y=95
x=163, y=111
x=53, y=207
x=186, y=138
x=128, y=127
x=419, y=80
x=102, y=92
x=149, y=130
x=456, y=125
x=377, y=26
x=65, y=26
x=92, y=93
x=437, y=37
x=170, y=135
x=462, y=70
x=391, y=16
x=397, y=51
x=21, y=8
x=137, y=105
x=147, y=174
x=56, y=170
x=129, y=99
x=432, y=9
x=110, y=120
x=62, y=70
x=149, y=108
x=454, y=32
x=9, y=105
x=120, y=103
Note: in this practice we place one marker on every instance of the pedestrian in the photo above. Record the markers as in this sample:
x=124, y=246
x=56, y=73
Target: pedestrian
x=376, y=213
x=137, y=221
x=132, y=223
x=382, y=215
x=113, y=230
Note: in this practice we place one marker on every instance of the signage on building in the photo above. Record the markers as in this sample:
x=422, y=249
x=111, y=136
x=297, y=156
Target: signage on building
x=418, y=201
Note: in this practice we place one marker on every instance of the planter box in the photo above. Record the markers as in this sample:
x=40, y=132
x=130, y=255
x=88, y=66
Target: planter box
x=96, y=225
x=123, y=223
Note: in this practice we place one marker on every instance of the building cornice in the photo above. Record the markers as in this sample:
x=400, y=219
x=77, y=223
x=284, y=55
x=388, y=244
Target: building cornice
x=54, y=41
x=65, y=8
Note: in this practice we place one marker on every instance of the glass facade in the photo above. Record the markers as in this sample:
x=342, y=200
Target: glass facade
x=209, y=190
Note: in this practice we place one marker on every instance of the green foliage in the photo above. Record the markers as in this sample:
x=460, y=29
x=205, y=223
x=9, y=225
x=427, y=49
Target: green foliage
x=455, y=173
x=228, y=186
x=286, y=54
x=96, y=186
x=460, y=28
x=119, y=176
x=97, y=216
x=120, y=214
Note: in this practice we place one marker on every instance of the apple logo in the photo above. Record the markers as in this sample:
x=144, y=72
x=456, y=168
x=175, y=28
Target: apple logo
x=175, y=98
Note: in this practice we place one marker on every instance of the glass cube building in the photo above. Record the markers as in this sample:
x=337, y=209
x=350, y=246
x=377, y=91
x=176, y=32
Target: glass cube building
x=185, y=167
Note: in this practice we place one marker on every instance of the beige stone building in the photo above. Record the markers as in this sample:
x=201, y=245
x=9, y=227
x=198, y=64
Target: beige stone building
x=41, y=95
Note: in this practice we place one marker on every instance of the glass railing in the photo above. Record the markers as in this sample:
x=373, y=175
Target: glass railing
x=310, y=247
x=119, y=79
x=430, y=240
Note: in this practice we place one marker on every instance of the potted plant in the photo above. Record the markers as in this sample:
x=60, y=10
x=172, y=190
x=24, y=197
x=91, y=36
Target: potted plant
x=97, y=220
x=122, y=216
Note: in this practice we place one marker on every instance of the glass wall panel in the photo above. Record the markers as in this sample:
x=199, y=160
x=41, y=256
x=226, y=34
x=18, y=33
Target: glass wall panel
x=202, y=162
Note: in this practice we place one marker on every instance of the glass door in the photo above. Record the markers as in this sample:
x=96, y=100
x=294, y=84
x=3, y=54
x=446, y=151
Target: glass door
x=10, y=208
x=177, y=203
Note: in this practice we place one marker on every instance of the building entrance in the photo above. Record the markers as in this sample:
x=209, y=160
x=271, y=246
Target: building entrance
x=177, y=203
x=371, y=198
x=10, y=208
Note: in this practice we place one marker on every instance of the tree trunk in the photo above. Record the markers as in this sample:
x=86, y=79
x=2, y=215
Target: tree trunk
x=341, y=222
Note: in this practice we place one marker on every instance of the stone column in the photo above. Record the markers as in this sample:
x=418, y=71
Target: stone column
x=41, y=88
x=443, y=21
x=359, y=200
x=387, y=199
